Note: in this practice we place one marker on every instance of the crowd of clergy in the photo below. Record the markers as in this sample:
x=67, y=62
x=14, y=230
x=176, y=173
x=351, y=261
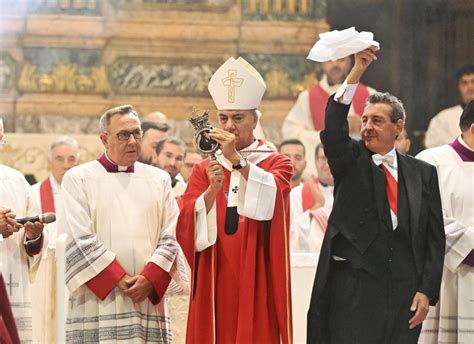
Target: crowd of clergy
x=152, y=217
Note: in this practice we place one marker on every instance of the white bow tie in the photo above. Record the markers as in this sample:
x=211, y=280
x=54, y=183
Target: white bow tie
x=379, y=159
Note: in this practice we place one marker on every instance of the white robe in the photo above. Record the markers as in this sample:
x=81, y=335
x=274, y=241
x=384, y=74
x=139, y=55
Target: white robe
x=44, y=287
x=299, y=124
x=130, y=217
x=16, y=266
x=305, y=232
x=444, y=127
x=452, y=320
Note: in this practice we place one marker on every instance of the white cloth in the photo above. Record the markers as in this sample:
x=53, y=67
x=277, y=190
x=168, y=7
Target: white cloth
x=130, y=217
x=43, y=289
x=452, y=320
x=299, y=123
x=179, y=189
x=257, y=203
x=17, y=267
x=337, y=44
x=444, y=127
x=306, y=234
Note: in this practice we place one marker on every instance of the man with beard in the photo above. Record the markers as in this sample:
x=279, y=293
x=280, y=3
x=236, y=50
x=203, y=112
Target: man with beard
x=294, y=149
x=152, y=134
x=306, y=118
x=170, y=157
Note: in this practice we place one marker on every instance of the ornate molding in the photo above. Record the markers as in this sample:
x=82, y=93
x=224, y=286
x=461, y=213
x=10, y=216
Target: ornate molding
x=62, y=70
x=141, y=76
x=180, y=5
x=7, y=71
x=65, y=7
x=286, y=10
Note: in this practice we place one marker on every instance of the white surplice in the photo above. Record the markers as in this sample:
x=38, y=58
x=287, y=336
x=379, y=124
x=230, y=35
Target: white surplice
x=130, y=217
x=44, y=287
x=306, y=232
x=444, y=127
x=452, y=320
x=17, y=267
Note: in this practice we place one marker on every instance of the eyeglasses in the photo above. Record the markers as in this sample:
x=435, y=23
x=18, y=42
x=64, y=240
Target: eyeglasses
x=124, y=135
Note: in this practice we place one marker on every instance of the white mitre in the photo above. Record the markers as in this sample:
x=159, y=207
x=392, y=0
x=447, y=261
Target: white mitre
x=236, y=85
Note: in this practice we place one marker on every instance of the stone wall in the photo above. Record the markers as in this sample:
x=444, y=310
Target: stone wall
x=63, y=62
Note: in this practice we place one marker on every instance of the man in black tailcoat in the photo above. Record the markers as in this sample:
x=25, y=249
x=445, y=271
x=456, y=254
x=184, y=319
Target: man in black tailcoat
x=382, y=257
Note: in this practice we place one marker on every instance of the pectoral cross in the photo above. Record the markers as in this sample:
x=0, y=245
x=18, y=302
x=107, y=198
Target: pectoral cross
x=232, y=81
x=11, y=284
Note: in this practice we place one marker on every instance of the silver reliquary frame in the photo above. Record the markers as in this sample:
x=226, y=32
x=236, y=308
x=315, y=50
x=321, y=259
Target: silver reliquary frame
x=203, y=143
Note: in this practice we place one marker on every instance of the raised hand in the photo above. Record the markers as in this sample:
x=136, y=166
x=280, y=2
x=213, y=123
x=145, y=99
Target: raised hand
x=362, y=60
x=227, y=142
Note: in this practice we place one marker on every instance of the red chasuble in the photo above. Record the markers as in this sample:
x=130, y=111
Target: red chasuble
x=240, y=290
x=318, y=98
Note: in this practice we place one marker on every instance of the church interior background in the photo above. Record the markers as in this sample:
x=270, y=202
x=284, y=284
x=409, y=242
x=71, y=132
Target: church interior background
x=64, y=62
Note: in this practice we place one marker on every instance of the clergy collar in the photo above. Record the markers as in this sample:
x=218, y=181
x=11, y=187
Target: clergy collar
x=463, y=150
x=112, y=167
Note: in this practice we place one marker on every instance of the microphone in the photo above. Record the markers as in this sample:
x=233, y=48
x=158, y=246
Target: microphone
x=43, y=218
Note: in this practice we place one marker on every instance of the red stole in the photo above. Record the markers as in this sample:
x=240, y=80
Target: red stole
x=46, y=196
x=318, y=99
x=260, y=299
x=307, y=195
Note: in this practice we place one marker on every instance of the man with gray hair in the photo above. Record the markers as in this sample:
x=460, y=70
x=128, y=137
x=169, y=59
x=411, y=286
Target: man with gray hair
x=382, y=256
x=20, y=246
x=63, y=154
x=122, y=252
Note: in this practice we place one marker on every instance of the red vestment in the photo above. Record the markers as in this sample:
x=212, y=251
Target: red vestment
x=318, y=98
x=241, y=290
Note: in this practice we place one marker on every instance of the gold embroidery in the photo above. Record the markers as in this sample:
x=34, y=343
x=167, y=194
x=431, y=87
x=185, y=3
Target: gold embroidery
x=232, y=81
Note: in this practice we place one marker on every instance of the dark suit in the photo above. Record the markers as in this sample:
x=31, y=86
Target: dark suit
x=366, y=299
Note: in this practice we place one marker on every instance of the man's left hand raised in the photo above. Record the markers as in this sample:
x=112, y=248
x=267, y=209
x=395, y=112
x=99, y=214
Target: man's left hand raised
x=420, y=304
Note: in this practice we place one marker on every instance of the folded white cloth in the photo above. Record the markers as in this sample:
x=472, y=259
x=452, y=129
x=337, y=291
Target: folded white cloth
x=337, y=44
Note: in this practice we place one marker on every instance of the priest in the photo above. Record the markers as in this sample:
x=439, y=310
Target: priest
x=452, y=320
x=122, y=252
x=20, y=248
x=233, y=226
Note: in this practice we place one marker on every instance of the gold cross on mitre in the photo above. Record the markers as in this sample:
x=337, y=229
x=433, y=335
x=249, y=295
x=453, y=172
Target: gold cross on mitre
x=232, y=81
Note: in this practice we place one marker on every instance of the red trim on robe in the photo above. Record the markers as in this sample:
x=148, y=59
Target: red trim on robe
x=8, y=331
x=33, y=249
x=263, y=293
x=159, y=278
x=46, y=196
x=318, y=98
x=307, y=196
x=103, y=283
